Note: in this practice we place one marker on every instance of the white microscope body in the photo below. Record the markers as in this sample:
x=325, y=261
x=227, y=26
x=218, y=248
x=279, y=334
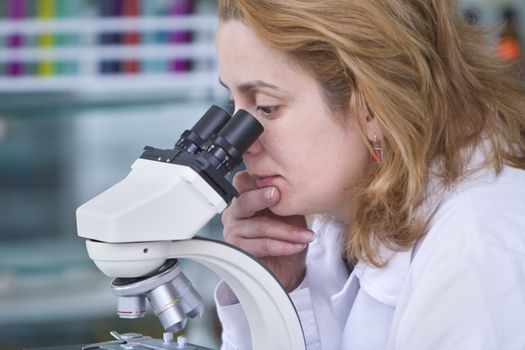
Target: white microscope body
x=136, y=229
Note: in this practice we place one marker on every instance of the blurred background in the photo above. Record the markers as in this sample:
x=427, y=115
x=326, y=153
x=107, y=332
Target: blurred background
x=84, y=85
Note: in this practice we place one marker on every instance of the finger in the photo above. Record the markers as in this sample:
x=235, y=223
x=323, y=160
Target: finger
x=243, y=181
x=250, y=202
x=263, y=247
x=266, y=227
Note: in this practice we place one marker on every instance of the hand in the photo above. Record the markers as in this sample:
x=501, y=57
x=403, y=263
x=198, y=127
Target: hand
x=280, y=242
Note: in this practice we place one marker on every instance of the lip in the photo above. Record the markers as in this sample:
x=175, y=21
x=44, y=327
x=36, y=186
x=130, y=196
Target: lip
x=265, y=181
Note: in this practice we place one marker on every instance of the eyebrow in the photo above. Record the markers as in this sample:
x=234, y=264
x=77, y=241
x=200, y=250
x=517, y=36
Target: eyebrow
x=252, y=85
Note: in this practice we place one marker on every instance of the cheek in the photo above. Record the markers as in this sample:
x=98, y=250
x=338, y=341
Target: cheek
x=322, y=181
x=304, y=189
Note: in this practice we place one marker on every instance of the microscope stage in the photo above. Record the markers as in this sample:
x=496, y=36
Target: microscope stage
x=133, y=341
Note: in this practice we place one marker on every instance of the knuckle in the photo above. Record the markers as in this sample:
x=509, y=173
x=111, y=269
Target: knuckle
x=264, y=226
x=238, y=179
x=267, y=245
x=246, y=204
x=280, y=248
x=227, y=234
x=240, y=201
x=243, y=244
x=235, y=241
x=225, y=217
x=231, y=237
x=274, y=247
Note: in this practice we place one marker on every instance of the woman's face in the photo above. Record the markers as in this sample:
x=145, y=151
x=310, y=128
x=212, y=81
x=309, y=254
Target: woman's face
x=310, y=154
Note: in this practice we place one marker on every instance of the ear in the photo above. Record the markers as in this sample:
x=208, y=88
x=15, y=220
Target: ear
x=370, y=123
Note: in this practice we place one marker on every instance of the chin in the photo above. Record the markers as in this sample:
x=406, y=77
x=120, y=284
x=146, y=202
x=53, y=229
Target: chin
x=284, y=209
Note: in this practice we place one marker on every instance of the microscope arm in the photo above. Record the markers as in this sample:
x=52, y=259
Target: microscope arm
x=272, y=318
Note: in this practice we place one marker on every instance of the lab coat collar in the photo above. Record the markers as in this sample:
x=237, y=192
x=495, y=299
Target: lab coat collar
x=385, y=284
x=382, y=284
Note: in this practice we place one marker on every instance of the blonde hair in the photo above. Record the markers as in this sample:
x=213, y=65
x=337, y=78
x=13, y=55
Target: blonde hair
x=425, y=76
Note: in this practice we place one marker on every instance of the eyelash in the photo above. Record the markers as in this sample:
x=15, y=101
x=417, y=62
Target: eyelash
x=261, y=109
x=264, y=111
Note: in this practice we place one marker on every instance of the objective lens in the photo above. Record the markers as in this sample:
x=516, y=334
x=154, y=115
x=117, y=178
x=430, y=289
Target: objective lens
x=191, y=301
x=174, y=301
x=169, y=291
x=131, y=306
x=166, y=304
x=208, y=125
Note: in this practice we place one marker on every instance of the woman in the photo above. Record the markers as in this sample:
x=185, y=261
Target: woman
x=392, y=124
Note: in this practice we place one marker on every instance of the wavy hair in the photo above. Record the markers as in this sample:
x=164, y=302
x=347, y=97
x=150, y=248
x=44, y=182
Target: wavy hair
x=425, y=75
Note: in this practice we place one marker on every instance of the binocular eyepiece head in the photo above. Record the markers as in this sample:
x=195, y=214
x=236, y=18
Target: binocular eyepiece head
x=221, y=139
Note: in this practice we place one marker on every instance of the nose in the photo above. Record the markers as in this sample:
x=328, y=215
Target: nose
x=255, y=148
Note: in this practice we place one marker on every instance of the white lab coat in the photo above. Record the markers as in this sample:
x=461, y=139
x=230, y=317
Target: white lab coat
x=462, y=287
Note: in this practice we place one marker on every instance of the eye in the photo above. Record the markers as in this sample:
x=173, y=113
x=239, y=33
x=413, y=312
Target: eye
x=267, y=111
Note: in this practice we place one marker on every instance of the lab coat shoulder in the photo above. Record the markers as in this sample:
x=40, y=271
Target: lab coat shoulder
x=466, y=285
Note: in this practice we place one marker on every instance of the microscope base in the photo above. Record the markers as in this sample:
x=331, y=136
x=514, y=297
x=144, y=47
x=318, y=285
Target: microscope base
x=133, y=341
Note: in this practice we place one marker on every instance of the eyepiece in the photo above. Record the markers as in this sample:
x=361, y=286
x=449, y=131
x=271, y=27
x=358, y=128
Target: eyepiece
x=229, y=144
x=241, y=131
x=209, y=124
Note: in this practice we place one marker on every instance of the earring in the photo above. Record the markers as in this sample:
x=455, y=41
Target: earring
x=377, y=152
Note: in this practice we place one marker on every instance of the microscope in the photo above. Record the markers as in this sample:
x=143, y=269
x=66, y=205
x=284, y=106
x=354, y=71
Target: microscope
x=137, y=230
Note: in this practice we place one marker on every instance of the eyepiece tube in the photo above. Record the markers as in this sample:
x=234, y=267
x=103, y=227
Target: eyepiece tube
x=194, y=140
x=211, y=122
x=241, y=131
x=224, y=150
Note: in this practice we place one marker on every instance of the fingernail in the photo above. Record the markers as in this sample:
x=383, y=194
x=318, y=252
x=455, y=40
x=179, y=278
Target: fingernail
x=268, y=193
x=308, y=236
